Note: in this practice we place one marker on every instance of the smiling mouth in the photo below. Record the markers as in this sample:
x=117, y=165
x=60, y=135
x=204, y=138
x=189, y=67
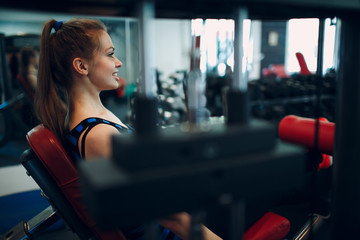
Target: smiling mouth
x=116, y=76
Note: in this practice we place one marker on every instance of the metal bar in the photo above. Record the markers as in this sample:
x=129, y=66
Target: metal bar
x=237, y=221
x=42, y=221
x=320, y=50
x=239, y=82
x=129, y=75
x=147, y=48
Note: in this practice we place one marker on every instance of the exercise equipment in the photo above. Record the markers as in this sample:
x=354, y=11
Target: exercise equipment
x=172, y=105
x=301, y=131
x=304, y=70
x=194, y=171
x=53, y=169
x=31, y=228
x=196, y=178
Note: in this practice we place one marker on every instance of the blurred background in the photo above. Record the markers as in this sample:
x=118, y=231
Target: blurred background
x=277, y=84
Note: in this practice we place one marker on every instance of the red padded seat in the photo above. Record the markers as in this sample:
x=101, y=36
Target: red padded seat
x=271, y=226
x=61, y=167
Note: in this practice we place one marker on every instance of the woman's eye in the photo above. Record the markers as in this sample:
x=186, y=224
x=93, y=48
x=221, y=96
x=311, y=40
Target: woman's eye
x=111, y=54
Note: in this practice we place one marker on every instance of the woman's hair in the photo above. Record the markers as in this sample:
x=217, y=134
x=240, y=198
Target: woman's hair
x=60, y=44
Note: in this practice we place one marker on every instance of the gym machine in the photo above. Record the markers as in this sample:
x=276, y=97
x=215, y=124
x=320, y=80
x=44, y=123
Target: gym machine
x=158, y=172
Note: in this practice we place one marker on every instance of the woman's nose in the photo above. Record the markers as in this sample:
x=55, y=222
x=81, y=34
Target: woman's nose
x=118, y=63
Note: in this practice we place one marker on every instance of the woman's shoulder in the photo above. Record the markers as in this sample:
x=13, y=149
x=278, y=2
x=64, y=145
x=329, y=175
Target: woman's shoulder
x=97, y=132
x=92, y=123
x=98, y=141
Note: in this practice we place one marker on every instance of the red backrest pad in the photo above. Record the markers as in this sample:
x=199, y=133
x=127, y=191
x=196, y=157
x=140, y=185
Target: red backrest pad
x=61, y=167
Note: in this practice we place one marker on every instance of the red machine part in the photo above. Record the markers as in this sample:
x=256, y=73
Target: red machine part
x=301, y=131
x=304, y=70
x=271, y=226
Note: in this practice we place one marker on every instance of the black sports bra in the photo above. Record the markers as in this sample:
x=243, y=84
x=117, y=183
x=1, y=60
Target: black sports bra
x=86, y=125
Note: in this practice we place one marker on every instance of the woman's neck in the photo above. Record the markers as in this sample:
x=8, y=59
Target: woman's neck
x=85, y=104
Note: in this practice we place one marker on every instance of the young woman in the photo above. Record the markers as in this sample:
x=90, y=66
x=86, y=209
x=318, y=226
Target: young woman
x=77, y=62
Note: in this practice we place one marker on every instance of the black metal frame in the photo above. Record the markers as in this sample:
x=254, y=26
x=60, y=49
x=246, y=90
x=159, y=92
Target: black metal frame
x=29, y=229
x=346, y=210
x=122, y=197
x=54, y=195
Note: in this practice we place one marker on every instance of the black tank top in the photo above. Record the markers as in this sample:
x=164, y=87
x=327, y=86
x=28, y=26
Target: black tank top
x=85, y=126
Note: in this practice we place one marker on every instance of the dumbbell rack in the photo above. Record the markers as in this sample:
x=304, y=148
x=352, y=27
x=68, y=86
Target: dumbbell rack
x=346, y=192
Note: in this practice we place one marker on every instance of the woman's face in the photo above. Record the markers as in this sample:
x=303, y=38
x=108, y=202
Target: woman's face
x=104, y=68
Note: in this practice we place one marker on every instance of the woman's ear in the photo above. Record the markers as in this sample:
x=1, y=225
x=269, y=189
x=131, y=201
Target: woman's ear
x=80, y=66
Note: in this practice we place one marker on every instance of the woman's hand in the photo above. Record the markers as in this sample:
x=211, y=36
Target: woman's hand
x=180, y=223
